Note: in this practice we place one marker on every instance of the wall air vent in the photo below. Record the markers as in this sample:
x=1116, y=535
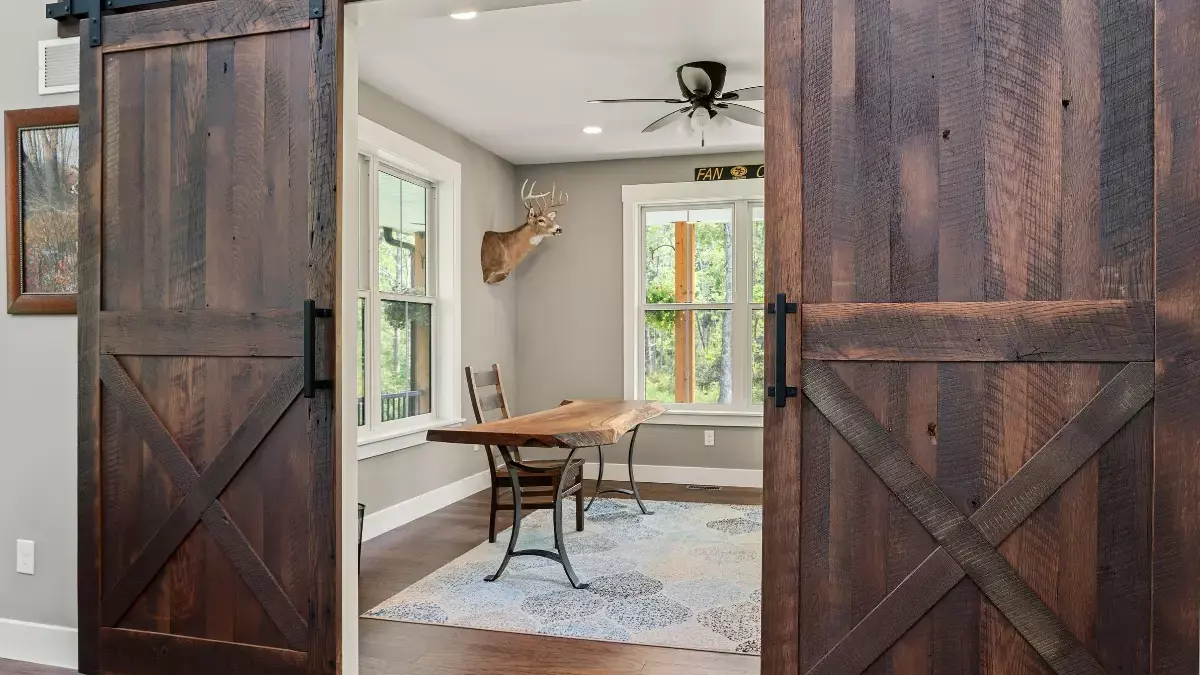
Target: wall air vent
x=58, y=66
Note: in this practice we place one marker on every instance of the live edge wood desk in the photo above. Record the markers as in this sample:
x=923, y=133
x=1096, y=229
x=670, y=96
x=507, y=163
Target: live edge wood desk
x=573, y=425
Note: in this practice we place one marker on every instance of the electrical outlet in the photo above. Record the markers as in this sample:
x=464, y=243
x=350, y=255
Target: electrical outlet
x=710, y=437
x=24, y=556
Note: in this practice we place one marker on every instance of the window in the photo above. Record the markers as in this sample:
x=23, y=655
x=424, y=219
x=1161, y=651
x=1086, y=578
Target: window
x=695, y=299
x=407, y=309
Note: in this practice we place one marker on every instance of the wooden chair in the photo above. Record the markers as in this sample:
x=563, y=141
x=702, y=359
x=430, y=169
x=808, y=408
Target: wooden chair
x=540, y=481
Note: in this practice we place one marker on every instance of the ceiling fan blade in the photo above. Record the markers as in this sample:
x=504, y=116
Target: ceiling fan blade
x=639, y=100
x=666, y=120
x=747, y=94
x=743, y=114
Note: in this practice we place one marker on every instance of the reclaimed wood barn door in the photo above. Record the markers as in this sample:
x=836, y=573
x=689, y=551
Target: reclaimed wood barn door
x=208, y=489
x=988, y=214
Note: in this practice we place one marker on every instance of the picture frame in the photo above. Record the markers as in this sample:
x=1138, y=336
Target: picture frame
x=41, y=171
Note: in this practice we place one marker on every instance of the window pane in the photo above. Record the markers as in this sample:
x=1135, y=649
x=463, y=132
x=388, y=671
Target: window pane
x=713, y=347
x=689, y=259
x=362, y=362
x=758, y=223
x=689, y=356
x=403, y=245
x=405, y=365
x=712, y=277
x=49, y=173
x=758, y=380
x=660, y=261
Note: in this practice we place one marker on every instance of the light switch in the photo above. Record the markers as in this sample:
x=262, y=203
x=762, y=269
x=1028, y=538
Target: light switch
x=24, y=556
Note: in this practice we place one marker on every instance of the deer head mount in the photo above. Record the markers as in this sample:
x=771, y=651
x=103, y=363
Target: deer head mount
x=503, y=251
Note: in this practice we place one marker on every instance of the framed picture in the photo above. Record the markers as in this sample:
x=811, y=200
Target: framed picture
x=41, y=153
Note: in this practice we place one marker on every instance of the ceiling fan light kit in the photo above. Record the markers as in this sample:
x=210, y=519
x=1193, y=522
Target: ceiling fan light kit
x=706, y=103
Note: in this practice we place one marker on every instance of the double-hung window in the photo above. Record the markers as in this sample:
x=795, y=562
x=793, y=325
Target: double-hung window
x=694, y=299
x=405, y=295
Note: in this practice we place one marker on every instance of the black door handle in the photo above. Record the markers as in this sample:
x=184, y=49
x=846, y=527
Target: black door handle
x=311, y=383
x=781, y=308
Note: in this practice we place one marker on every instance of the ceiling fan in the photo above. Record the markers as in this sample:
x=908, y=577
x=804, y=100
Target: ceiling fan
x=702, y=84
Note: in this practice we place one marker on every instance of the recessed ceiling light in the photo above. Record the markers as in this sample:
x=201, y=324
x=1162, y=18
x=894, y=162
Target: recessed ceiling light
x=592, y=130
x=464, y=16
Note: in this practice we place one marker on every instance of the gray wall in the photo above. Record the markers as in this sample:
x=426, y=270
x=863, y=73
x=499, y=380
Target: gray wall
x=488, y=312
x=569, y=301
x=37, y=403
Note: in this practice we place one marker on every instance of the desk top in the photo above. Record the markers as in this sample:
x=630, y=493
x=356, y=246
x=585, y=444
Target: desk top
x=574, y=424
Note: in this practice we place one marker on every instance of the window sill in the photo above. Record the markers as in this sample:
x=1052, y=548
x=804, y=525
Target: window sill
x=710, y=418
x=399, y=439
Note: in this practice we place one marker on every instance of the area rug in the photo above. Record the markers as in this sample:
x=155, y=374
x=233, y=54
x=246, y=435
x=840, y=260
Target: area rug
x=687, y=576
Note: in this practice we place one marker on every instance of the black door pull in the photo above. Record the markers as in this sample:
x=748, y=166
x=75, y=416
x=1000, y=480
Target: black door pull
x=781, y=308
x=311, y=383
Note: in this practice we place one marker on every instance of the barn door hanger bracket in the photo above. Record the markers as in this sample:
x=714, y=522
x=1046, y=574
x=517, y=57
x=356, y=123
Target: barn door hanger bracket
x=316, y=9
x=90, y=10
x=781, y=308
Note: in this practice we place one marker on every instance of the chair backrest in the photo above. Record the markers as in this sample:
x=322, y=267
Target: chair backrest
x=487, y=395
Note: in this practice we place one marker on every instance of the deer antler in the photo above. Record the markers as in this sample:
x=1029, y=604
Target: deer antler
x=535, y=204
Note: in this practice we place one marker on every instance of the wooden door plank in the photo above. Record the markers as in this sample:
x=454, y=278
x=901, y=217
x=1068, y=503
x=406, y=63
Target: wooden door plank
x=132, y=652
x=91, y=125
x=197, y=22
x=994, y=575
x=202, y=332
x=278, y=397
x=1057, y=460
x=1176, y=556
x=225, y=531
x=1074, y=331
x=783, y=273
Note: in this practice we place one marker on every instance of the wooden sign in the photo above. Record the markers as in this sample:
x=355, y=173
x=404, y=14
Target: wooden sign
x=737, y=172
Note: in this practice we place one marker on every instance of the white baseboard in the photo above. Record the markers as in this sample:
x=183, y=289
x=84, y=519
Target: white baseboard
x=409, y=510
x=39, y=643
x=680, y=475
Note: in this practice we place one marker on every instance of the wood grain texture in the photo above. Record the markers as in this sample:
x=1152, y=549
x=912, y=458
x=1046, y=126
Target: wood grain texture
x=1176, y=553
x=88, y=455
x=964, y=541
x=202, y=333
x=132, y=652
x=1107, y=330
x=195, y=22
x=20, y=302
x=204, y=491
x=1060, y=458
x=783, y=273
x=574, y=424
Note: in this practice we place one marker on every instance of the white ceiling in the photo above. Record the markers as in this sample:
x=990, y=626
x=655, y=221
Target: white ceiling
x=517, y=81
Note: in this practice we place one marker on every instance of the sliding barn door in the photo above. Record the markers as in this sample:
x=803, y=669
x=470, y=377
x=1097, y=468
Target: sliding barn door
x=208, y=486
x=992, y=460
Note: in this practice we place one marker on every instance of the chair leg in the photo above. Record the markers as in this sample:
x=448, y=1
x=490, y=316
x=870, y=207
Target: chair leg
x=492, y=521
x=579, y=503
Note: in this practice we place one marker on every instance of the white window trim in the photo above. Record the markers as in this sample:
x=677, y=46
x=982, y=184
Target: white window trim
x=446, y=175
x=634, y=198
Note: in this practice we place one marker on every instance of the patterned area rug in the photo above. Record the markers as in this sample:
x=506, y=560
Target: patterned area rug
x=687, y=576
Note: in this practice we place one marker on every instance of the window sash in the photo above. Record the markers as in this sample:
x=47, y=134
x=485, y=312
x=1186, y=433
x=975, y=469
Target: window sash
x=741, y=305
x=374, y=297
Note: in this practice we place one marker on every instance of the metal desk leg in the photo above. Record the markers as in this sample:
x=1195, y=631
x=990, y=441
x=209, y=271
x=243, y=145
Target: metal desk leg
x=559, y=555
x=633, y=488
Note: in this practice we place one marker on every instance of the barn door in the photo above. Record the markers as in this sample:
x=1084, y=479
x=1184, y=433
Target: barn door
x=982, y=472
x=208, y=492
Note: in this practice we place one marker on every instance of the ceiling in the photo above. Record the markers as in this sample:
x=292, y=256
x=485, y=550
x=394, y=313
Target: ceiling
x=517, y=80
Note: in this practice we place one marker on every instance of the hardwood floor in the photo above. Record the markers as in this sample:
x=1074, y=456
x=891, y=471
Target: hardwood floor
x=397, y=559
x=393, y=561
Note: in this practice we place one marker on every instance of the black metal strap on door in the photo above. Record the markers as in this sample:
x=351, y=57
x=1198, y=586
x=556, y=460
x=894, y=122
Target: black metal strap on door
x=781, y=308
x=311, y=314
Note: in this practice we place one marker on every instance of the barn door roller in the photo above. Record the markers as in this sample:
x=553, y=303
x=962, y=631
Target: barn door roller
x=781, y=308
